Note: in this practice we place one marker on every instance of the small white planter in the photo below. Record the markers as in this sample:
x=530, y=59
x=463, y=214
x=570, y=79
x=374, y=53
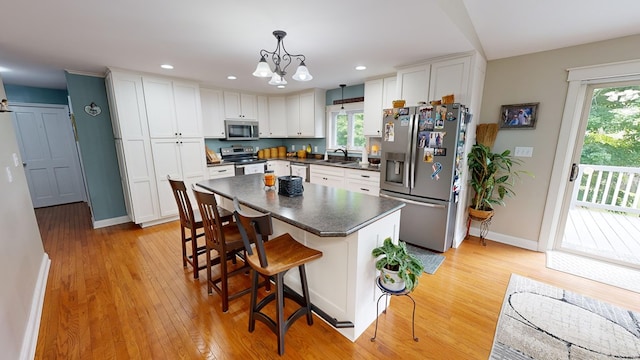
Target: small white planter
x=391, y=281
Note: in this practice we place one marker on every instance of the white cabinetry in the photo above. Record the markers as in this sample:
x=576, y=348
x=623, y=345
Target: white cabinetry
x=378, y=95
x=222, y=171
x=133, y=146
x=299, y=170
x=413, y=84
x=212, y=113
x=451, y=77
x=281, y=167
x=173, y=108
x=305, y=114
x=181, y=158
x=277, y=117
x=240, y=106
x=362, y=181
x=327, y=175
x=263, y=116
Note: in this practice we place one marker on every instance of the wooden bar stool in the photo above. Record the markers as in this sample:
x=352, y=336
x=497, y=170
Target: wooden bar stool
x=190, y=222
x=274, y=258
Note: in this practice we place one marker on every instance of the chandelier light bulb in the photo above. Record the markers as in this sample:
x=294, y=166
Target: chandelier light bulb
x=263, y=70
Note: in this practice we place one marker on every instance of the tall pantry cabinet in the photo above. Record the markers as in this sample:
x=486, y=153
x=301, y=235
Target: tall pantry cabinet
x=158, y=129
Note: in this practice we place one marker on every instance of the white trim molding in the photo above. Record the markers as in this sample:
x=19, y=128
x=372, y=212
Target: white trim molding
x=30, y=339
x=110, y=222
x=578, y=79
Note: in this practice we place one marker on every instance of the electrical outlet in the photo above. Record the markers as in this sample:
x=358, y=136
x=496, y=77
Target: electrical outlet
x=315, y=149
x=523, y=151
x=9, y=175
x=16, y=160
x=293, y=148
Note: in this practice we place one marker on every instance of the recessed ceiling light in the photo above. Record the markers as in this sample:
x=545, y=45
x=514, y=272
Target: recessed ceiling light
x=166, y=66
x=231, y=77
x=361, y=67
x=280, y=86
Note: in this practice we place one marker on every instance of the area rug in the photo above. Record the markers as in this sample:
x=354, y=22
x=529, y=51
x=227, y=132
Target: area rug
x=539, y=321
x=430, y=260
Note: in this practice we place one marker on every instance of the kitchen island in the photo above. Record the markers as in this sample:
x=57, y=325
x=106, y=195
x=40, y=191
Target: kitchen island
x=344, y=225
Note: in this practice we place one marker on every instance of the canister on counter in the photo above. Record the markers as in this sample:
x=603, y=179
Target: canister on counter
x=282, y=151
x=274, y=152
x=260, y=154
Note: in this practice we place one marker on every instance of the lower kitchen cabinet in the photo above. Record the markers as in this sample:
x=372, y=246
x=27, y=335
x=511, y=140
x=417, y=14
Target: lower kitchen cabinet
x=181, y=159
x=222, y=171
x=327, y=175
x=362, y=181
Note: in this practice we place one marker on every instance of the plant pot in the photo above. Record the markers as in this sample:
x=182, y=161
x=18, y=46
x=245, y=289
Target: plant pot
x=480, y=214
x=390, y=280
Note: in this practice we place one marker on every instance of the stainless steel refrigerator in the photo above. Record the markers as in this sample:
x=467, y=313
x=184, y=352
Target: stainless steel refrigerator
x=422, y=152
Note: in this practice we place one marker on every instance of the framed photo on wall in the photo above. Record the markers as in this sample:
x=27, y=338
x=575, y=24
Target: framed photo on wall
x=519, y=116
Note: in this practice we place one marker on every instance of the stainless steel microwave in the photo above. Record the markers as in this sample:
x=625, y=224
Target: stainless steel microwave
x=241, y=130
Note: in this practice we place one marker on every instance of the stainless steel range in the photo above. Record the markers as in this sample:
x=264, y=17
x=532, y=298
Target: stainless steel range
x=244, y=158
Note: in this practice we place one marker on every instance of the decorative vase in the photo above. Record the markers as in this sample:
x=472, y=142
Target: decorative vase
x=480, y=214
x=390, y=280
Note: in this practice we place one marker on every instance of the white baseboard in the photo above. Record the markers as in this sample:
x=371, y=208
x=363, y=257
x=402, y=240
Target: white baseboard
x=110, y=222
x=507, y=239
x=30, y=339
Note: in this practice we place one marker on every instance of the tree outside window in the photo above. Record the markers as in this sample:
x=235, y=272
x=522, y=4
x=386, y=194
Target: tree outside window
x=348, y=130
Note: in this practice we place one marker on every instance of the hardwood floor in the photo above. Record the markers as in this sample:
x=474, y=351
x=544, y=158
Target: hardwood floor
x=121, y=293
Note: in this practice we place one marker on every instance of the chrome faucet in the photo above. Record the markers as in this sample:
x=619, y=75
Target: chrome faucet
x=346, y=157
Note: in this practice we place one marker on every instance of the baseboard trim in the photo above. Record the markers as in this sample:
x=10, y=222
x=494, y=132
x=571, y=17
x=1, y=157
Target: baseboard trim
x=110, y=222
x=30, y=339
x=507, y=239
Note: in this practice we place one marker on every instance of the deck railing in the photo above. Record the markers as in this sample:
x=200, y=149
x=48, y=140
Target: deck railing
x=613, y=188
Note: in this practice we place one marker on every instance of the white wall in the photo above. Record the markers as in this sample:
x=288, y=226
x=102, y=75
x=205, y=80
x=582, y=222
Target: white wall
x=540, y=77
x=23, y=262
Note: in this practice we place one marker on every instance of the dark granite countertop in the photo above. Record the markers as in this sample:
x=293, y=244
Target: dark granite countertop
x=355, y=164
x=321, y=210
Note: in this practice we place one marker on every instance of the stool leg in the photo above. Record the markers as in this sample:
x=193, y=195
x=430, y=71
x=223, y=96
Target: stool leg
x=305, y=293
x=280, y=311
x=184, y=247
x=194, y=253
x=254, y=300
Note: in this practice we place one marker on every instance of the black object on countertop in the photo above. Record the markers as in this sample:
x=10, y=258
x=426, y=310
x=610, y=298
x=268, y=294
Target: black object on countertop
x=290, y=186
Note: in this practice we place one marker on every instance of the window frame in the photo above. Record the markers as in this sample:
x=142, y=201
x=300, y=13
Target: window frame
x=331, y=128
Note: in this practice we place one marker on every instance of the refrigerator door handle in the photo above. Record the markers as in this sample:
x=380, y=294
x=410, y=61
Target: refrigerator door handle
x=437, y=206
x=412, y=151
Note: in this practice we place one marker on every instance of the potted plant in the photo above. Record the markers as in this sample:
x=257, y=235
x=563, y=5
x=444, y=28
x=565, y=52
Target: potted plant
x=492, y=178
x=400, y=270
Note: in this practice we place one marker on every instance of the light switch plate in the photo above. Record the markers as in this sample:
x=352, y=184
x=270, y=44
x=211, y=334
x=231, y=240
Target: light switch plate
x=16, y=161
x=9, y=175
x=523, y=151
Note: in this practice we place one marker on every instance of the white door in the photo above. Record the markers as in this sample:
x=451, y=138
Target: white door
x=49, y=154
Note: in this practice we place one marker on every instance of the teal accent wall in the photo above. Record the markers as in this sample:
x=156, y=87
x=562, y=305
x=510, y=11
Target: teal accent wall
x=34, y=95
x=353, y=91
x=97, y=146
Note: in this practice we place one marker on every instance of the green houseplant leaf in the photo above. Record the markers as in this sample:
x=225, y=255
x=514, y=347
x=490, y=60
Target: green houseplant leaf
x=397, y=258
x=493, y=176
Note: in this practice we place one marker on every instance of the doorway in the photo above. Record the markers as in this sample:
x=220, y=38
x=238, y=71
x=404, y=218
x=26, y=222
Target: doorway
x=49, y=154
x=601, y=217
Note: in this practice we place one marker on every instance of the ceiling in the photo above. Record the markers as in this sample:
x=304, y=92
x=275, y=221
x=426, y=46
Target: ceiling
x=208, y=40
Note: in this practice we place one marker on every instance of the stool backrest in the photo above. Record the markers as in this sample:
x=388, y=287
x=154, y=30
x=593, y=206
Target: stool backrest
x=182, y=199
x=254, y=229
x=208, y=207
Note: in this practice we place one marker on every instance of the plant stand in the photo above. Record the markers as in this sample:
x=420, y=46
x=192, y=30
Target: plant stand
x=484, y=227
x=385, y=294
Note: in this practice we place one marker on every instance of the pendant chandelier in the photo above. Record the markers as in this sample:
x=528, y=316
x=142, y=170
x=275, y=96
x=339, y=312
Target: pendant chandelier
x=281, y=60
x=342, y=110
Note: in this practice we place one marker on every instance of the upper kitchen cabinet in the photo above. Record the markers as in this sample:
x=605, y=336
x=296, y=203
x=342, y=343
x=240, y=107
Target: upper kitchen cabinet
x=378, y=95
x=451, y=77
x=413, y=84
x=212, y=113
x=240, y=106
x=173, y=108
x=277, y=117
x=263, y=116
x=305, y=114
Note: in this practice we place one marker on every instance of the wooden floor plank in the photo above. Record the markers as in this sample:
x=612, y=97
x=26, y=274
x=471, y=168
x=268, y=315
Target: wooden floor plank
x=122, y=293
